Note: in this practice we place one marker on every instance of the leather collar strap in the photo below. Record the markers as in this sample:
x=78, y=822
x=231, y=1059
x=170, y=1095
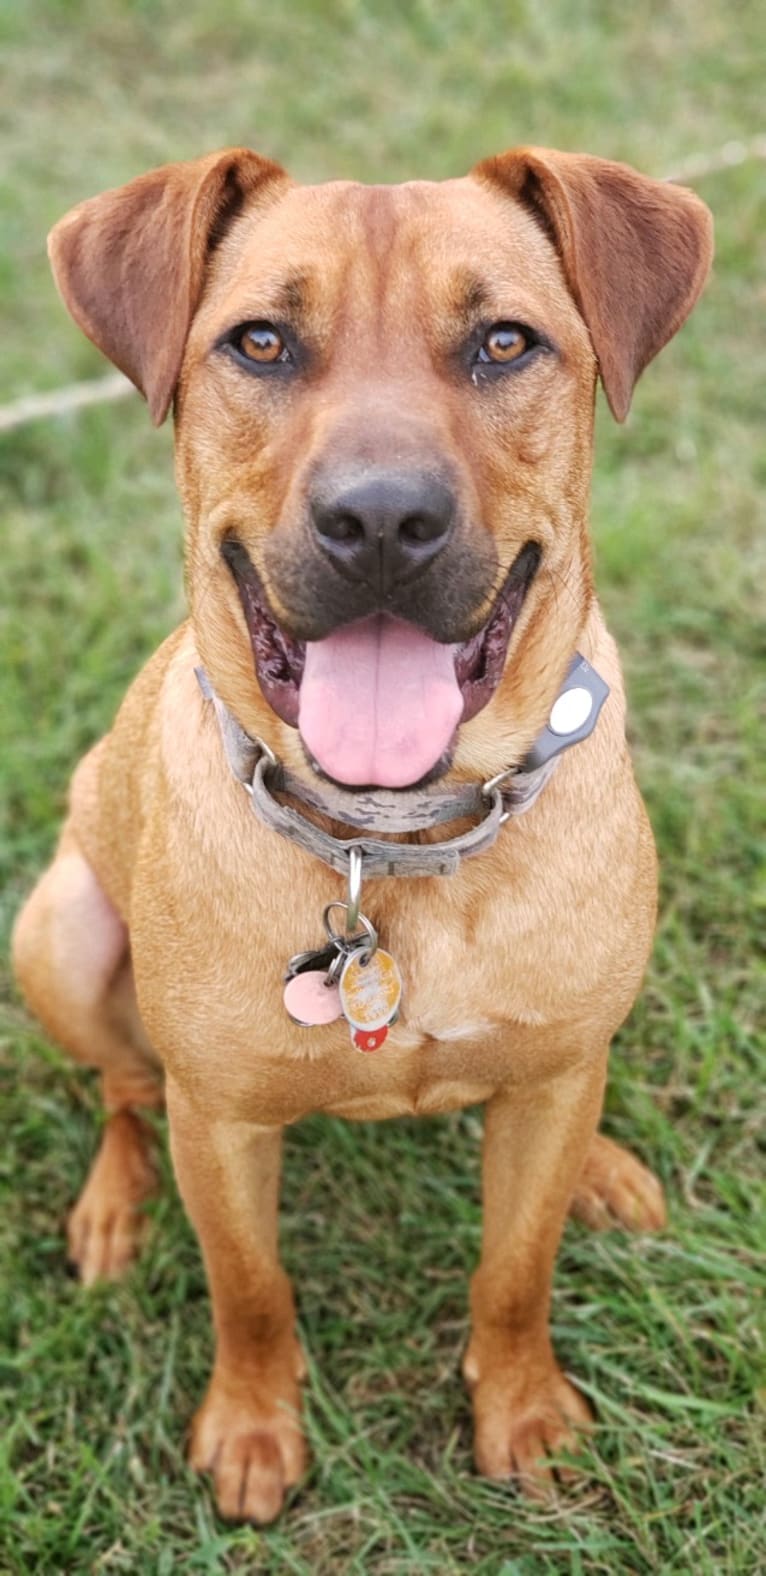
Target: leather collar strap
x=509, y=794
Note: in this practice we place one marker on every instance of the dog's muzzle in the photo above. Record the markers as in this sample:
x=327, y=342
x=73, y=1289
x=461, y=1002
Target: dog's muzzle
x=378, y=700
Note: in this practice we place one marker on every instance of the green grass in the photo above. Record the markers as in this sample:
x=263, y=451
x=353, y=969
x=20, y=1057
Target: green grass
x=381, y=1223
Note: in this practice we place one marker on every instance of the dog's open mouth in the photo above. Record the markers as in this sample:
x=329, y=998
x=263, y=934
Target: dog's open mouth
x=378, y=701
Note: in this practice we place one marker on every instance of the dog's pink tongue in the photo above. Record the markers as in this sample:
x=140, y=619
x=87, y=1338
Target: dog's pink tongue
x=379, y=702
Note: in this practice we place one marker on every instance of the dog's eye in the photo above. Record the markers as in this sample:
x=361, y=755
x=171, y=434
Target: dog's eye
x=260, y=342
x=506, y=342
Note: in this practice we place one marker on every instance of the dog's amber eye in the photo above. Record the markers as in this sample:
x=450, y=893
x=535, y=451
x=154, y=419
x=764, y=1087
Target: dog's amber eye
x=505, y=342
x=261, y=342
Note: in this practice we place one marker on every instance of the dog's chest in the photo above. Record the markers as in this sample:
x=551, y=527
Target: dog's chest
x=427, y=1064
x=462, y=1033
x=450, y=1048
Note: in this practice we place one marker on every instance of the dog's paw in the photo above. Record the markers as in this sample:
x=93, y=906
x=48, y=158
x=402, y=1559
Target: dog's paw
x=522, y=1424
x=254, y=1450
x=615, y=1189
x=105, y=1227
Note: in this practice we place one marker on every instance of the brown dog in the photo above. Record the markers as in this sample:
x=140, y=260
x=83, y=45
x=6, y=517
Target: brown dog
x=384, y=415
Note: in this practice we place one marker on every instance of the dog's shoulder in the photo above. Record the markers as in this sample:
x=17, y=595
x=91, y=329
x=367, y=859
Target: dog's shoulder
x=114, y=784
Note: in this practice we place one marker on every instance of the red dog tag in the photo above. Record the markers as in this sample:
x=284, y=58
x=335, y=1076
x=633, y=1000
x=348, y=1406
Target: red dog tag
x=368, y=1039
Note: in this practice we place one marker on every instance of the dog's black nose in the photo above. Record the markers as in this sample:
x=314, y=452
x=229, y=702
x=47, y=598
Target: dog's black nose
x=385, y=526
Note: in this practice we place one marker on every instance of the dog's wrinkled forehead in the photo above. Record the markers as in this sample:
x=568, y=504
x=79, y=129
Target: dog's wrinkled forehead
x=403, y=265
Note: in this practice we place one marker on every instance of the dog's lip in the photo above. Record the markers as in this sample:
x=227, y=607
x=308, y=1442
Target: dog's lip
x=279, y=658
x=479, y=662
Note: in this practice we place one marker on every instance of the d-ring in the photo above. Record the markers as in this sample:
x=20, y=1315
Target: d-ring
x=354, y=890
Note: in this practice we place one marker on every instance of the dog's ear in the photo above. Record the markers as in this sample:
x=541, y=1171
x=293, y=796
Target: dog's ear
x=636, y=252
x=130, y=264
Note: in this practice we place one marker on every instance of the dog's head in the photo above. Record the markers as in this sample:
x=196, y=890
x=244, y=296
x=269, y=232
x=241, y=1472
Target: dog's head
x=384, y=411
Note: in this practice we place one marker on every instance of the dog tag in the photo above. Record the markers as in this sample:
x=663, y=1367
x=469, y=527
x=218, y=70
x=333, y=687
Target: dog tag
x=368, y=1039
x=316, y=958
x=370, y=991
x=310, y=1001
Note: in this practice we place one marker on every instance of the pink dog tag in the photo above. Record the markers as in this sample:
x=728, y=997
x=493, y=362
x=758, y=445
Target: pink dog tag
x=309, y=1001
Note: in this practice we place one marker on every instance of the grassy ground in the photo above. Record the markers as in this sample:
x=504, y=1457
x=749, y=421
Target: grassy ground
x=381, y=1223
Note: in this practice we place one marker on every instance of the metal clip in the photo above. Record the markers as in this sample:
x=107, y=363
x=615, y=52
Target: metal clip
x=364, y=940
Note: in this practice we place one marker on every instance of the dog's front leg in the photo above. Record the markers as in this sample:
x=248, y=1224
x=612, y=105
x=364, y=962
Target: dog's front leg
x=247, y=1431
x=535, y=1142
